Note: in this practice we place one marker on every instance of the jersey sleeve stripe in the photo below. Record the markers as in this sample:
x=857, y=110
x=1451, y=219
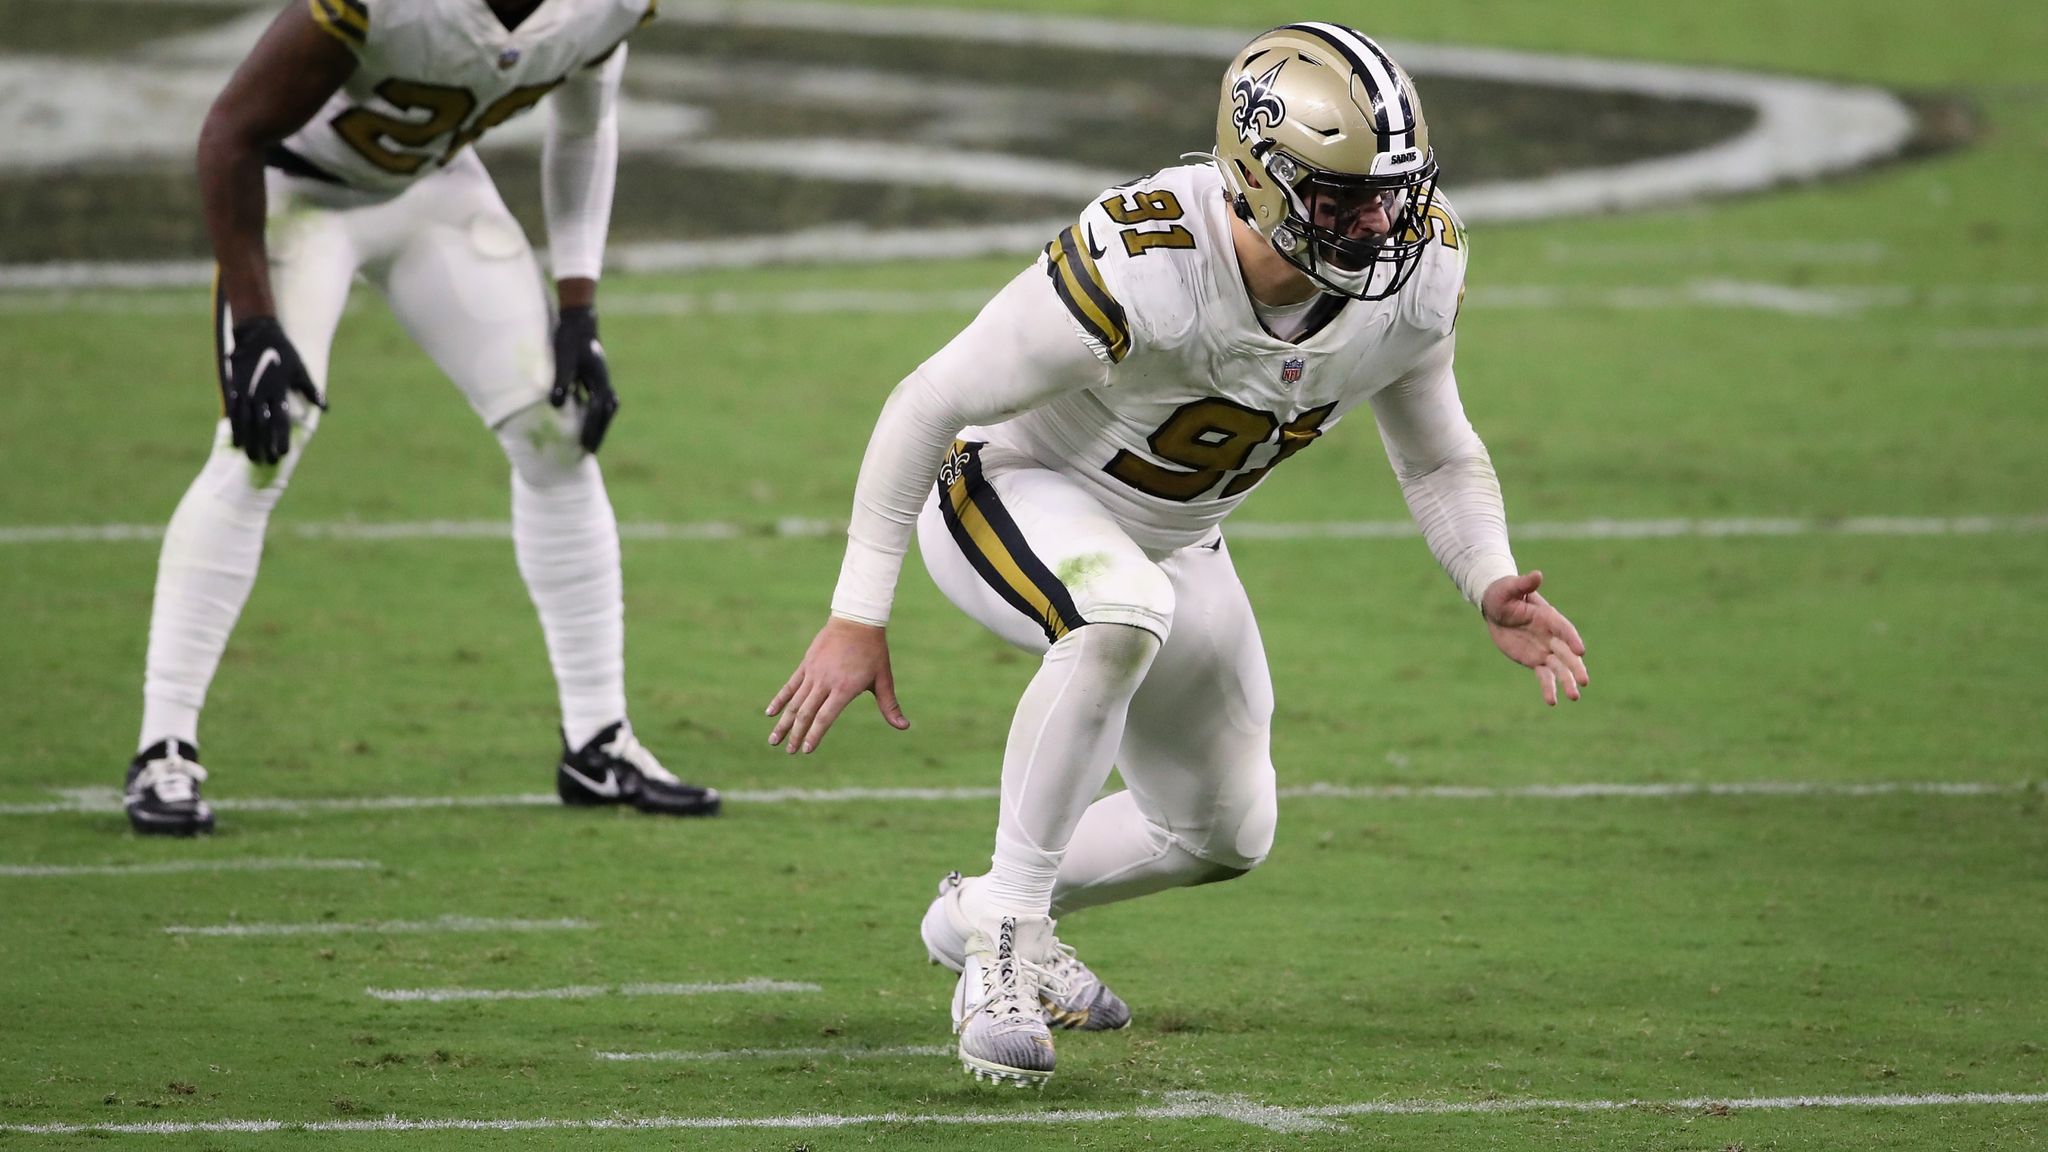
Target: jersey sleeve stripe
x=990, y=539
x=1080, y=286
x=345, y=20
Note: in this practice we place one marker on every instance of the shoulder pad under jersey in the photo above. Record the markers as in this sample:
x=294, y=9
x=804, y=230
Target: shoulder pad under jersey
x=1132, y=269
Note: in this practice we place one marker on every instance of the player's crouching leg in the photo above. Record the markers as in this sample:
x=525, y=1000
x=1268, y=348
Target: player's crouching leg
x=567, y=543
x=204, y=575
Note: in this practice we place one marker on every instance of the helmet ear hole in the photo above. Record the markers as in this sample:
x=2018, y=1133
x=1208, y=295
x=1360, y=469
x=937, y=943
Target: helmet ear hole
x=1249, y=179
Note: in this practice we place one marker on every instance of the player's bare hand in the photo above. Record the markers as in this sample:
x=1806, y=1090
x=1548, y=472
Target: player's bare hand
x=845, y=660
x=1533, y=634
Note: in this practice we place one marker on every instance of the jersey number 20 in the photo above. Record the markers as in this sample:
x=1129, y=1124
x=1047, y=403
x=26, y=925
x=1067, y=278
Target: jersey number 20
x=381, y=138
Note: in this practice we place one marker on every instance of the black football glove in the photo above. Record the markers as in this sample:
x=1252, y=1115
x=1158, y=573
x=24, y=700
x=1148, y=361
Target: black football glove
x=580, y=371
x=263, y=370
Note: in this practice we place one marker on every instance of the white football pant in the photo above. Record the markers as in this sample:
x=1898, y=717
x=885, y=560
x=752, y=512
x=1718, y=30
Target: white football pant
x=462, y=280
x=1167, y=641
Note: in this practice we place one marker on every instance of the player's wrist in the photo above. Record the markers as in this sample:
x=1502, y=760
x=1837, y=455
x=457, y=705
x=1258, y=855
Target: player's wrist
x=576, y=294
x=1487, y=572
x=867, y=583
x=259, y=330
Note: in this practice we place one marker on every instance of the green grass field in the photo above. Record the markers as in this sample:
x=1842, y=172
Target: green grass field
x=1512, y=969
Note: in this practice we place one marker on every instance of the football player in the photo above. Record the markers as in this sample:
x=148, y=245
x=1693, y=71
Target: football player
x=341, y=147
x=1067, y=462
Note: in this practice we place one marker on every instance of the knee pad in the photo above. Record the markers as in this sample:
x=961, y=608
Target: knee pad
x=542, y=443
x=1136, y=593
x=1253, y=841
x=1240, y=836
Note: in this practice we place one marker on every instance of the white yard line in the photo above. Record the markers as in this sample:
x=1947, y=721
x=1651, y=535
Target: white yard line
x=758, y=986
x=813, y=301
x=1802, y=252
x=828, y=244
x=1672, y=791
x=381, y=927
x=842, y=1052
x=61, y=275
x=1177, y=1106
x=1986, y=338
x=92, y=288
x=109, y=801
x=225, y=4
x=795, y=528
x=174, y=867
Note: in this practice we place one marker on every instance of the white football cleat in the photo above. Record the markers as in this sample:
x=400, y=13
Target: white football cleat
x=1083, y=1002
x=1003, y=1037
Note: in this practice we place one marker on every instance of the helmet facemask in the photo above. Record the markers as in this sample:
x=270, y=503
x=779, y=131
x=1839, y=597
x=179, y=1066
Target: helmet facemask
x=1357, y=236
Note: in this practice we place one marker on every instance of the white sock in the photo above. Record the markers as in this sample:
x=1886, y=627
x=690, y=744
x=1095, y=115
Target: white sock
x=203, y=577
x=1063, y=742
x=567, y=542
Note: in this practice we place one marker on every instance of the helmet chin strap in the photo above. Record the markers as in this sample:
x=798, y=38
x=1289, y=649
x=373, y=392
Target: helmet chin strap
x=1291, y=249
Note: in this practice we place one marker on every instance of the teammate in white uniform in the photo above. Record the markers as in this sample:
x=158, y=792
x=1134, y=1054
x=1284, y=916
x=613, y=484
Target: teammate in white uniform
x=1106, y=412
x=341, y=147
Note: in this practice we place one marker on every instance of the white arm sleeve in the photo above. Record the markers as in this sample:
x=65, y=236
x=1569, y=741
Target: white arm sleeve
x=579, y=163
x=1446, y=475
x=1021, y=352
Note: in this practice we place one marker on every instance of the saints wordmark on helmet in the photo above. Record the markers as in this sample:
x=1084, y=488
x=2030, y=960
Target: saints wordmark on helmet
x=1256, y=109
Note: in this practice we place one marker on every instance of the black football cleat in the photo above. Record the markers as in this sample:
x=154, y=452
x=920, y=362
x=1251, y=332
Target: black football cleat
x=163, y=791
x=615, y=768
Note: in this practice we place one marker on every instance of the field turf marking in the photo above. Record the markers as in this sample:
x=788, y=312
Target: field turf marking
x=756, y=986
x=1828, y=252
x=1178, y=1106
x=1992, y=338
x=83, y=801
x=381, y=927
x=171, y=867
x=797, y=528
x=842, y=1052
x=50, y=289
x=1804, y=129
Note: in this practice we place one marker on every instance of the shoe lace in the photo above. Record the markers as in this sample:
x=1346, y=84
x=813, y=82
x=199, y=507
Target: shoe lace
x=1002, y=992
x=627, y=747
x=1066, y=966
x=173, y=778
x=1003, y=999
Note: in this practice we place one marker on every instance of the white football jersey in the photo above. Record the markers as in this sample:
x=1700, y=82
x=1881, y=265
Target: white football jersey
x=1200, y=401
x=434, y=75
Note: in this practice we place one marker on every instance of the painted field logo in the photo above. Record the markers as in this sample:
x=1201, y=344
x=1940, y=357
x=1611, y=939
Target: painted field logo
x=986, y=139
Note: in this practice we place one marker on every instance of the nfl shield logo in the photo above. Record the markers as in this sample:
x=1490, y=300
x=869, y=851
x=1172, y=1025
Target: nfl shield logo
x=508, y=58
x=1290, y=370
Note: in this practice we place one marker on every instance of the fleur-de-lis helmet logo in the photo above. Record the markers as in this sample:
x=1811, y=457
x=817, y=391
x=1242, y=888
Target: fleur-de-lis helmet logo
x=1255, y=108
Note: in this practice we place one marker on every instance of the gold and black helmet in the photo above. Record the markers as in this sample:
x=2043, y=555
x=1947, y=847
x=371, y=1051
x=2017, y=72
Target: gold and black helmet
x=1323, y=149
